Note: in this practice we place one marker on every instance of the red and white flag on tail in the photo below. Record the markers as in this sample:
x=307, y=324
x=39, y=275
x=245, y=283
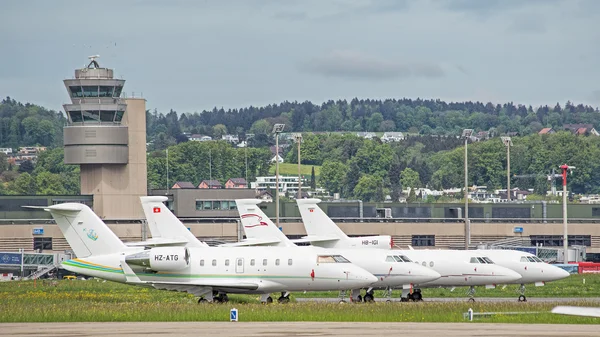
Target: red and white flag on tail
x=156, y=210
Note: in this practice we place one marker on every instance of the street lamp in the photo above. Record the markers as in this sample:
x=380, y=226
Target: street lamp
x=167, y=170
x=298, y=139
x=565, y=168
x=466, y=134
x=508, y=143
x=277, y=129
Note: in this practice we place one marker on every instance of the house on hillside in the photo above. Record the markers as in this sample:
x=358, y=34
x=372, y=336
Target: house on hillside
x=277, y=158
x=199, y=138
x=233, y=139
x=236, y=183
x=264, y=195
x=366, y=135
x=546, y=131
x=392, y=137
x=183, y=184
x=210, y=184
x=581, y=129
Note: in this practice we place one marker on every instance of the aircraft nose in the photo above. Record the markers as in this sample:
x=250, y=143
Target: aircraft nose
x=423, y=274
x=555, y=273
x=508, y=275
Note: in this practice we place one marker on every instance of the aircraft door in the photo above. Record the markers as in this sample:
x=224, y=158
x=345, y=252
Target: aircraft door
x=239, y=265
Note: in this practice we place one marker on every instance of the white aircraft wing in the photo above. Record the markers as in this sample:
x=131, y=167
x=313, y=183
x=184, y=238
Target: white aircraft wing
x=252, y=242
x=576, y=311
x=158, y=242
x=315, y=238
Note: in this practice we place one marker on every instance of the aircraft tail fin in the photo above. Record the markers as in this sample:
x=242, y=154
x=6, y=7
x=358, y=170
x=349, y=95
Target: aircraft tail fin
x=316, y=222
x=85, y=232
x=257, y=225
x=164, y=224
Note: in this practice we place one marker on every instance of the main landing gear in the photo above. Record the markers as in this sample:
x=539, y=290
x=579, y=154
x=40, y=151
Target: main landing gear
x=522, y=297
x=415, y=296
x=284, y=298
x=214, y=298
x=356, y=296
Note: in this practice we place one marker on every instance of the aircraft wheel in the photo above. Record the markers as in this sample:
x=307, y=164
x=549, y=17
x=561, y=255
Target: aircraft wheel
x=269, y=299
x=202, y=300
x=417, y=297
x=404, y=299
x=224, y=298
x=359, y=298
x=368, y=298
x=472, y=299
x=342, y=301
x=522, y=298
x=283, y=299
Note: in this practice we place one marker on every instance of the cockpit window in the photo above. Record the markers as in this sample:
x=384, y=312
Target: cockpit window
x=397, y=258
x=474, y=260
x=488, y=260
x=389, y=259
x=481, y=260
x=537, y=259
x=524, y=259
x=405, y=258
x=331, y=259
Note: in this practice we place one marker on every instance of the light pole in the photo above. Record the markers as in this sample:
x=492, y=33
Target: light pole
x=565, y=168
x=508, y=143
x=298, y=139
x=277, y=129
x=167, y=170
x=466, y=134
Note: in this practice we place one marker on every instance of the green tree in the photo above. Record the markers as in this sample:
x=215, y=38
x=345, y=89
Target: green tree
x=313, y=179
x=3, y=162
x=24, y=184
x=261, y=127
x=219, y=130
x=49, y=184
x=26, y=166
x=374, y=123
x=412, y=196
x=332, y=176
x=410, y=178
x=369, y=189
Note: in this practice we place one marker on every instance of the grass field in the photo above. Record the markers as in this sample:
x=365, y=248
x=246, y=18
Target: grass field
x=95, y=301
x=291, y=169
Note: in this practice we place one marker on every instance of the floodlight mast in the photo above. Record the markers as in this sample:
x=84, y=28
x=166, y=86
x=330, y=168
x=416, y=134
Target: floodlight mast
x=466, y=134
x=277, y=129
x=564, y=169
x=508, y=143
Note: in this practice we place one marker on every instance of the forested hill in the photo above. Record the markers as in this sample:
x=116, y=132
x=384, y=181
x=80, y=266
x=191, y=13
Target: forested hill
x=29, y=125
x=407, y=115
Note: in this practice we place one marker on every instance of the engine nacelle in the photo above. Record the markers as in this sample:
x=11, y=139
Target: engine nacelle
x=379, y=241
x=161, y=258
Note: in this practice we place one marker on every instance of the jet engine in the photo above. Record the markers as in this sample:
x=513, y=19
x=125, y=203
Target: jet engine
x=161, y=258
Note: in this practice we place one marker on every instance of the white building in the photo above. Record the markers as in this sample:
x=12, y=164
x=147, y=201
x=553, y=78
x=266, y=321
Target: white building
x=6, y=150
x=392, y=137
x=286, y=184
x=199, y=138
x=366, y=135
x=234, y=139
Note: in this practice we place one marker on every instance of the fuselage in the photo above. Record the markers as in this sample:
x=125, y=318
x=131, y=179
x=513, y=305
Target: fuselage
x=529, y=266
x=456, y=269
x=390, y=269
x=270, y=268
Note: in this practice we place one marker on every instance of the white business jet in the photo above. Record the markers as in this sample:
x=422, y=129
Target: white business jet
x=261, y=231
x=531, y=268
x=202, y=271
x=457, y=268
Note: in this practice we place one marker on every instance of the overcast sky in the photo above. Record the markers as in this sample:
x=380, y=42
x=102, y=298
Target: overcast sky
x=194, y=55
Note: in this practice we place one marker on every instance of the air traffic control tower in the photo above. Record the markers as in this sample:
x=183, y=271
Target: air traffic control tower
x=106, y=136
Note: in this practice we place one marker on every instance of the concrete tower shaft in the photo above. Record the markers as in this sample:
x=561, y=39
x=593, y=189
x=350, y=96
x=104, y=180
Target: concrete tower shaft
x=106, y=136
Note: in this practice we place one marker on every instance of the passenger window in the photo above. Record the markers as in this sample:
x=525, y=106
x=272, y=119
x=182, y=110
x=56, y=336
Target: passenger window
x=389, y=259
x=264, y=262
x=431, y=264
x=424, y=264
x=289, y=262
x=277, y=262
x=252, y=262
x=214, y=263
x=202, y=263
x=239, y=262
x=227, y=262
x=397, y=258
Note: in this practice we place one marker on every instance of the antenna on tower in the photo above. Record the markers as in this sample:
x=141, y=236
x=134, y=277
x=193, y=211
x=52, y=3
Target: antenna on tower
x=93, y=61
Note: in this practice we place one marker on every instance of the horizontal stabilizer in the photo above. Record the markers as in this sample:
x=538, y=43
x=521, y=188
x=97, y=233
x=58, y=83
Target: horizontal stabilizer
x=577, y=311
x=315, y=238
x=154, y=242
x=252, y=242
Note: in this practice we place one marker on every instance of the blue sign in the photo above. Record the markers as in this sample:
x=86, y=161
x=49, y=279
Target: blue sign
x=38, y=231
x=10, y=258
x=233, y=315
x=518, y=230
